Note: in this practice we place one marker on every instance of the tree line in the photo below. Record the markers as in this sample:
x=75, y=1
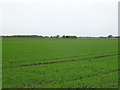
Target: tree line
x=57, y=36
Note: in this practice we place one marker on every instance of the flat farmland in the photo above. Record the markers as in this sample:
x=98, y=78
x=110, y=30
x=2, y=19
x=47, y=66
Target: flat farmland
x=59, y=63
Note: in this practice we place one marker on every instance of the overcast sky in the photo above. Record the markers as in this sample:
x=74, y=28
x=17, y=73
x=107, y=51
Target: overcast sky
x=59, y=17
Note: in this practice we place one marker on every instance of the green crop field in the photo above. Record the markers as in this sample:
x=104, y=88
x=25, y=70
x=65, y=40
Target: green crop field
x=59, y=63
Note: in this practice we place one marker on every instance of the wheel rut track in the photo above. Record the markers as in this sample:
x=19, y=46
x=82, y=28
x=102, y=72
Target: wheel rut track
x=58, y=58
x=28, y=65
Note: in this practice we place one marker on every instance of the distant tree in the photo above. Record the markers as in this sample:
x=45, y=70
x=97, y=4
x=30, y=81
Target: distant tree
x=64, y=36
x=51, y=36
x=110, y=36
x=58, y=36
x=74, y=36
x=70, y=36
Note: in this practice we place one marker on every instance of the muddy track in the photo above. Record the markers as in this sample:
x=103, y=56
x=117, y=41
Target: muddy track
x=102, y=56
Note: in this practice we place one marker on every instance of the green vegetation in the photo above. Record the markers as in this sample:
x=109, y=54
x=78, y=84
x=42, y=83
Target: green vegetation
x=60, y=63
x=0, y=63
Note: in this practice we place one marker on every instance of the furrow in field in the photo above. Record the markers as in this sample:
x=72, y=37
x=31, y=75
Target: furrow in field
x=102, y=56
